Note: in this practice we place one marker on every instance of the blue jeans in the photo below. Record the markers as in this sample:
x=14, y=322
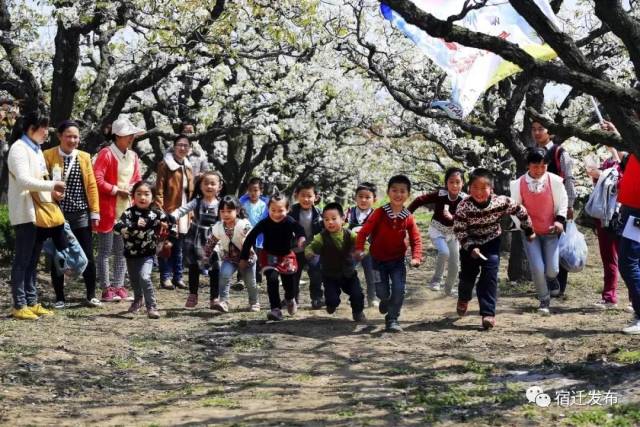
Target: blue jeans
x=487, y=286
x=391, y=287
x=544, y=260
x=629, y=263
x=171, y=268
x=371, y=277
x=140, y=277
x=227, y=270
x=23, y=285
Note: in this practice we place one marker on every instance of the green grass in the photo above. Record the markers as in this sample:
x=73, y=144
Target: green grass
x=628, y=356
x=220, y=402
x=250, y=343
x=613, y=416
x=302, y=378
x=122, y=362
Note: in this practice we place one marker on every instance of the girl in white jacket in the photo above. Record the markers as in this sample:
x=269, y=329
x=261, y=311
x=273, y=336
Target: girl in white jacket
x=228, y=236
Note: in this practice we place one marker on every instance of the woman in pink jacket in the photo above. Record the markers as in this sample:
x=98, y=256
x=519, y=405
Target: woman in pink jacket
x=116, y=168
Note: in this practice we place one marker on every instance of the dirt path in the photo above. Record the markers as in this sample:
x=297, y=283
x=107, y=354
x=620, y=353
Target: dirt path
x=104, y=367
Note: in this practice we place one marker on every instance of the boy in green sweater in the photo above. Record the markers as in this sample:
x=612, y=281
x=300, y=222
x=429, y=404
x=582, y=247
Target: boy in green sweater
x=335, y=246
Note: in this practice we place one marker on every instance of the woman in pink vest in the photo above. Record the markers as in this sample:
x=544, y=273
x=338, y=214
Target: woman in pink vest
x=545, y=198
x=116, y=168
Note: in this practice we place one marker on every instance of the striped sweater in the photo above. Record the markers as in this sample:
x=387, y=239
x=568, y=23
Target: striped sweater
x=476, y=224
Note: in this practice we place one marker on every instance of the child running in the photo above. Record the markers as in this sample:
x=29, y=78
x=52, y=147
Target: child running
x=276, y=258
x=356, y=217
x=335, y=246
x=477, y=226
x=446, y=202
x=204, y=206
x=255, y=205
x=388, y=227
x=139, y=226
x=229, y=235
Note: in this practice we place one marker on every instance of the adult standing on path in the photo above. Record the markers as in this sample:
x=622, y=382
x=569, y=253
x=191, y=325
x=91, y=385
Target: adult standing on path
x=116, y=168
x=79, y=204
x=28, y=191
x=559, y=162
x=174, y=186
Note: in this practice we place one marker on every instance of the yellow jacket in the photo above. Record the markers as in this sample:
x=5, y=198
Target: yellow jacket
x=52, y=157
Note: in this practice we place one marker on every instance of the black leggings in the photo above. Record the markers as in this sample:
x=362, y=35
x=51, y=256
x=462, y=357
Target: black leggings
x=85, y=239
x=289, y=284
x=194, y=280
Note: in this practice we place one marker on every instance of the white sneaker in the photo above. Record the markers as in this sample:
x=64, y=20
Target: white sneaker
x=434, y=286
x=605, y=305
x=451, y=292
x=629, y=309
x=94, y=302
x=543, y=310
x=59, y=305
x=254, y=307
x=633, y=328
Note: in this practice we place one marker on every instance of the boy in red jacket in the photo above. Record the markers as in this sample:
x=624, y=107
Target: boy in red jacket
x=388, y=227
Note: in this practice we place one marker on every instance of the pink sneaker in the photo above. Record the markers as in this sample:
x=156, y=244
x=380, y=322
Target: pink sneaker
x=275, y=314
x=192, y=301
x=109, y=295
x=292, y=306
x=123, y=294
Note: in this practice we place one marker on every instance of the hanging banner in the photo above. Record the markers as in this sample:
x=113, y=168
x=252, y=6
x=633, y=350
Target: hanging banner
x=472, y=71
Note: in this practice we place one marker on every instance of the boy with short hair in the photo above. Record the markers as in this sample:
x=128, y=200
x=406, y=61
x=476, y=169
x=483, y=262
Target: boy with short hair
x=477, y=227
x=255, y=205
x=356, y=217
x=309, y=217
x=335, y=246
x=388, y=226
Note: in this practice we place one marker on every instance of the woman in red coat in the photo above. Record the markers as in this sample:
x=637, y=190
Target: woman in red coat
x=116, y=169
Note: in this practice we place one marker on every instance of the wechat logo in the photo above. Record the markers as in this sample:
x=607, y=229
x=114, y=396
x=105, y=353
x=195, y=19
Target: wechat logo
x=536, y=395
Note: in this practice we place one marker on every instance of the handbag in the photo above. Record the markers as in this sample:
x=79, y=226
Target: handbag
x=48, y=213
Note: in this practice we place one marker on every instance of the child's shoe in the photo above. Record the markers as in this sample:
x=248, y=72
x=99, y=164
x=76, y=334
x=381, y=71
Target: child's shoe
x=220, y=306
x=316, y=304
x=109, y=294
x=59, y=305
x=192, y=301
x=488, y=322
x=166, y=284
x=331, y=309
x=359, y=317
x=153, y=313
x=123, y=294
x=605, y=305
x=633, y=328
x=554, y=287
x=23, y=314
x=275, y=314
x=292, y=306
x=543, y=310
x=434, y=286
x=39, y=310
x=180, y=284
x=393, y=326
x=383, y=307
x=254, y=307
x=462, y=307
x=374, y=303
x=135, y=306
x=629, y=309
x=94, y=302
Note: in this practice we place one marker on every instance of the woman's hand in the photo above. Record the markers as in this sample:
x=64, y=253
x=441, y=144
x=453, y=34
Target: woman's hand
x=122, y=193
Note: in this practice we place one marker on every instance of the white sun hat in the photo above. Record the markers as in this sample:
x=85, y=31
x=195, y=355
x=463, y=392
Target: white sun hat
x=124, y=127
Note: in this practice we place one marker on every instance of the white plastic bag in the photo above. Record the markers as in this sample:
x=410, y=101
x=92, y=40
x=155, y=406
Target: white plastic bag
x=573, y=249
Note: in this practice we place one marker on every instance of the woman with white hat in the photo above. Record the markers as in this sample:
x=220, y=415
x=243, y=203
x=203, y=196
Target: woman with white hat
x=116, y=168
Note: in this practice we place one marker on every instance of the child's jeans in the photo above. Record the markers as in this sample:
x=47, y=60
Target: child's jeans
x=227, y=270
x=544, y=261
x=289, y=283
x=371, y=277
x=140, y=277
x=349, y=285
x=448, y=255
x=315, y=277
x=194, y=280
x=487, y=287
x=171, y=268
x=391, y=287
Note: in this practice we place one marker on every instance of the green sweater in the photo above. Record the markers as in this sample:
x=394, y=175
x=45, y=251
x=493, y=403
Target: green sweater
x=315, y=247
